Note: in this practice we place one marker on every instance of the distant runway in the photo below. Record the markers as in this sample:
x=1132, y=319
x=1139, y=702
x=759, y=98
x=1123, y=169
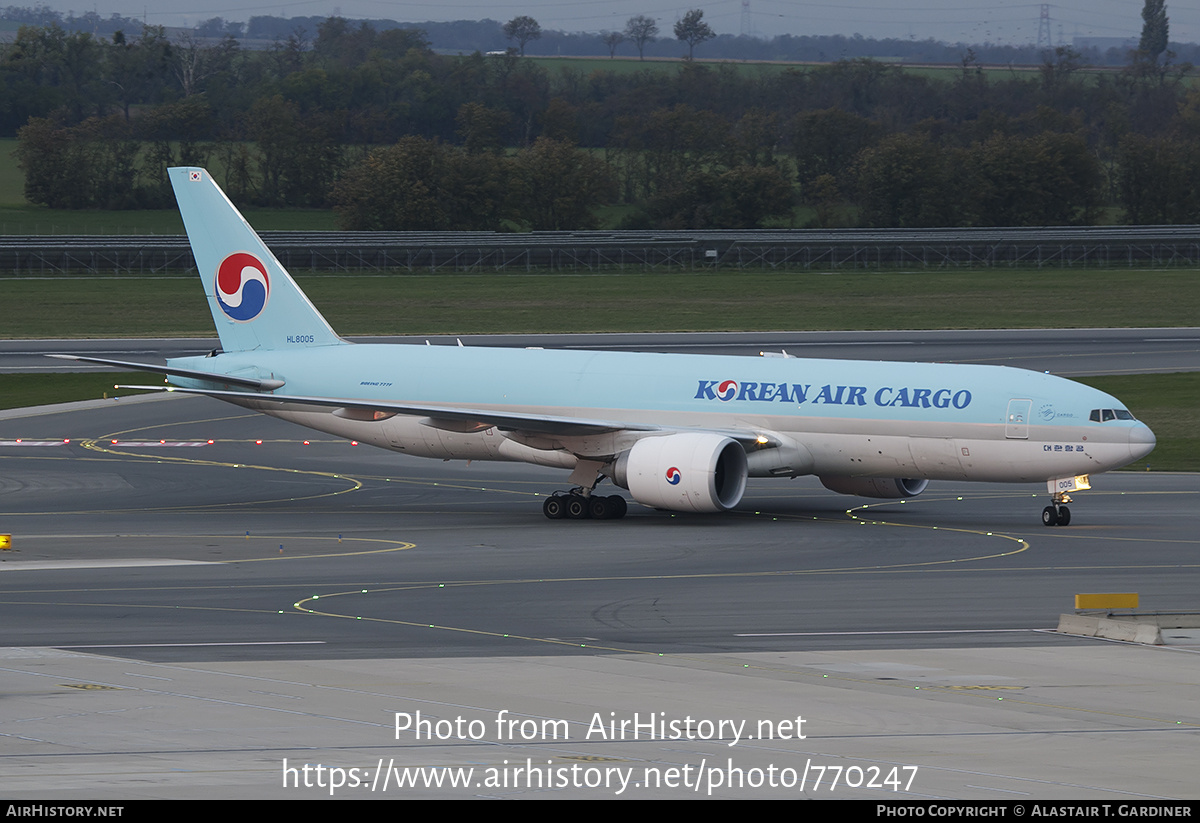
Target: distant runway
x=185, y=619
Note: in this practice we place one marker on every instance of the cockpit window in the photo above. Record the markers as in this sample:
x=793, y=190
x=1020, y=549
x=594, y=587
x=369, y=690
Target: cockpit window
x=1104, y=415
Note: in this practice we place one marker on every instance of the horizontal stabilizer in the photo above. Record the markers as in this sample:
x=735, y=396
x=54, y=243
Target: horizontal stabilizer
x=223, y=379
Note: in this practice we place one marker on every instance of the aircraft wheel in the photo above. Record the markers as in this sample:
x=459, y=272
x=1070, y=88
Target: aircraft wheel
x=554, y=507
x=1049, y=516
x=598, y=508
x=616, y=506
x=577, y=507
x=1064, y=516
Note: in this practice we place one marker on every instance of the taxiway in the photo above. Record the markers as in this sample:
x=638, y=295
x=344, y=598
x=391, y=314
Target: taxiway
x=186, y=619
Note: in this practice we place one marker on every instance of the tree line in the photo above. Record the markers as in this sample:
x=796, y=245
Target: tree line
x=497, y=141
x=485, y=35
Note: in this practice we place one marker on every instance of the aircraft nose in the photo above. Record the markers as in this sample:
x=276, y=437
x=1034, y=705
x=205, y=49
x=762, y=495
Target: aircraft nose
x=1141, y=441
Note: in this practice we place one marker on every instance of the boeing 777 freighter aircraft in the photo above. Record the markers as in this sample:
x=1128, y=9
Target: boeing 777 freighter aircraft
x=680, y=432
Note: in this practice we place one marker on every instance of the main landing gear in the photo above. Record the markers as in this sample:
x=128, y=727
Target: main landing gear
x=1057, y=514
x=582, y=503
x=576, y=506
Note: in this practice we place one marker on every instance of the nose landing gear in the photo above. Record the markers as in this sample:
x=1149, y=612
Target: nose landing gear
x=1057, y=514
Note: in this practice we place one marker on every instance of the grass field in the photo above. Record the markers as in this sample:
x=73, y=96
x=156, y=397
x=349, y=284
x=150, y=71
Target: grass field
x=1166, y=403
x=690, y=301
x=626, y=62
x=37, y=220
x=21, y=390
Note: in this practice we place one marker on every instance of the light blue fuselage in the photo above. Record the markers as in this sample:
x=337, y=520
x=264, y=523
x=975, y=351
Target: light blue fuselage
x=855, y=418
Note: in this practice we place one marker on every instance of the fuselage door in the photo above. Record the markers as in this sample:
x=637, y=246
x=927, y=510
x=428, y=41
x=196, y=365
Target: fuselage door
x=1016, y=425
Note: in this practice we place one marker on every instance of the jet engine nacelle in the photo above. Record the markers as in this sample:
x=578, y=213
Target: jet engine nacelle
x=686, y=472
x=889, y=488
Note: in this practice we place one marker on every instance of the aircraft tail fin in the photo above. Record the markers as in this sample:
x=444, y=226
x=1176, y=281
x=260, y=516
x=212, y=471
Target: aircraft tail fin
x=255, y=303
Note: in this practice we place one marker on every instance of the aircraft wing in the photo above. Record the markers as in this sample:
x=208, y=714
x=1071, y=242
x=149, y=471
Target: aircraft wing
x=455, y=418
x=445, y=417
x=450, y=417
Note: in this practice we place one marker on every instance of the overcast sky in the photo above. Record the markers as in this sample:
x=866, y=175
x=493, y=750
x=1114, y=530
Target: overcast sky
x=974, y=21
